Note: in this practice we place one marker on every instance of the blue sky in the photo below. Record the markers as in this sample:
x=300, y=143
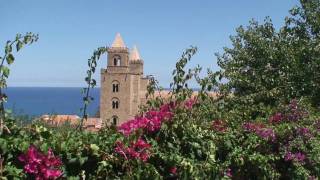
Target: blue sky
x=69, y=30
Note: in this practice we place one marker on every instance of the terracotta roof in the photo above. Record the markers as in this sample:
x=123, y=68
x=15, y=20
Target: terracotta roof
x=93, y=122
x=118, y=42
x=60, y=119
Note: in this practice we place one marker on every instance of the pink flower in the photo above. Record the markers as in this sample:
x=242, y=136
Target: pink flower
x=260, y=130
x=189, y=103
x=276, y=118
x=219, y=125
x=151, y=122
x=228, y=172
x=40, y=165
x=288, y=156
x=139, y=149
x=52, y=173
x=304, y=132
x=173, y=170
x=144, y=156
x=300, y=157
x=252, y=126
x=312, y=178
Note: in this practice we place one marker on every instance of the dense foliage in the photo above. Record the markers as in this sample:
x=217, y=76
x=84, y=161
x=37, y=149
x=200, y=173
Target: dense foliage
x=263, y=123
x=270, y=66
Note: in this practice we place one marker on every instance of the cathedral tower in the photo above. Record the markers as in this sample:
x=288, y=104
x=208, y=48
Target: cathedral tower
x=122, y=83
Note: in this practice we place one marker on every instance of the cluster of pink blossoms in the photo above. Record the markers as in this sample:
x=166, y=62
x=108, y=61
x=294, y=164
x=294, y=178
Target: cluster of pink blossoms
x=260, y=130
x=188, y=104
x=219, y=126
x=136, y=150
x=228, y=173
x=276, y=118
x=39, y=165
x=300, y=157
x=303, y=131
x=292, y=113
x=151, y=122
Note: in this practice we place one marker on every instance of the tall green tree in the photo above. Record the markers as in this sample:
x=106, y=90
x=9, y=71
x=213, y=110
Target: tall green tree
x=269, y=65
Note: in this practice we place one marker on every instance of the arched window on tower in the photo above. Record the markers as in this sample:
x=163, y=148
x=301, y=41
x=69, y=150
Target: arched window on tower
x=115, y=86
x=115, y=103
x=116, y=60
x=114, y=120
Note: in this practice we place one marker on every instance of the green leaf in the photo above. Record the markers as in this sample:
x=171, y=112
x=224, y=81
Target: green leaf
x=10, y=59
x=94, y=147
x=19, y=45
x=6, y=71
x=8, y=48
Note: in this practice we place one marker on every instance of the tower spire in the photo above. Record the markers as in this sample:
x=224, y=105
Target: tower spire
x=118, y=42
x=134, y=54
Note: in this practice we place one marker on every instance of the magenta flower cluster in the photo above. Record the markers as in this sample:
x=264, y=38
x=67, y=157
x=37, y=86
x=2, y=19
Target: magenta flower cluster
x=292, y=113
x=260, y=130
x=188, y=104
x=228, y=173
x=151, y=122
x=303, y=131
x=39, y=165
x=219, y=126
x=276, y=118
x=139, y=149
x=173, y=170
x=299, y=157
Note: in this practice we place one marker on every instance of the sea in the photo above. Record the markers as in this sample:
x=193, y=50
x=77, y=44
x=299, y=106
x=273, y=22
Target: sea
x=37, y=101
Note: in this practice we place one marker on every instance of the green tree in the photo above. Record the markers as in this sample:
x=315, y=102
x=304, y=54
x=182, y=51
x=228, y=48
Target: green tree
x=268, y=66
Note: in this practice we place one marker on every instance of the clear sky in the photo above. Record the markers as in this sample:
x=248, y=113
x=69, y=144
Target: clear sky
x=69, y=31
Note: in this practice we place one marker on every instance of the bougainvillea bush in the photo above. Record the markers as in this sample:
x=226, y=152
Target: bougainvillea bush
x=284, y=145
x=262, y=123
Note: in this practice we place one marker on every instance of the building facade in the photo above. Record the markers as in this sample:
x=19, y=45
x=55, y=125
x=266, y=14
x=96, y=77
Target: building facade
x=123, y=85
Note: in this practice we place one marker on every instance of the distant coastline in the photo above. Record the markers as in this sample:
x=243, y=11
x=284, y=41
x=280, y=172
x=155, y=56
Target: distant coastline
x=36, y=101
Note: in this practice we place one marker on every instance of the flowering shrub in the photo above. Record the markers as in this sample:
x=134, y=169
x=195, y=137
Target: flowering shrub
x=151, y=122
x=180, y=140
x=39, y=165
x=139, y=149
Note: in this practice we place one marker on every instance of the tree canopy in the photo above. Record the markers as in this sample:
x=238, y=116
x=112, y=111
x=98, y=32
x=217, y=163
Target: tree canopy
x=273, y=65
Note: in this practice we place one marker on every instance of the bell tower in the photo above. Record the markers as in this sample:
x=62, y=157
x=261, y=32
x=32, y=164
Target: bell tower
x=116, y=84
x=118, y=56
x=123, y=86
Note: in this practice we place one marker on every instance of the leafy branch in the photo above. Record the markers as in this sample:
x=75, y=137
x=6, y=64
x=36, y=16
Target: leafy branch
x=179, y=85
x=91, y=82
x=6, y=60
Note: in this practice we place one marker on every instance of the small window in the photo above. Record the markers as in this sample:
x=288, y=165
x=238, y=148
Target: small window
x=116, y=60
x=115, y=87
x=115, y=103
x=114, y=120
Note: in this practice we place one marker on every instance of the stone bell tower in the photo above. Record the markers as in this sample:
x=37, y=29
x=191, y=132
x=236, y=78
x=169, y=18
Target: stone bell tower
x=122, y=83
